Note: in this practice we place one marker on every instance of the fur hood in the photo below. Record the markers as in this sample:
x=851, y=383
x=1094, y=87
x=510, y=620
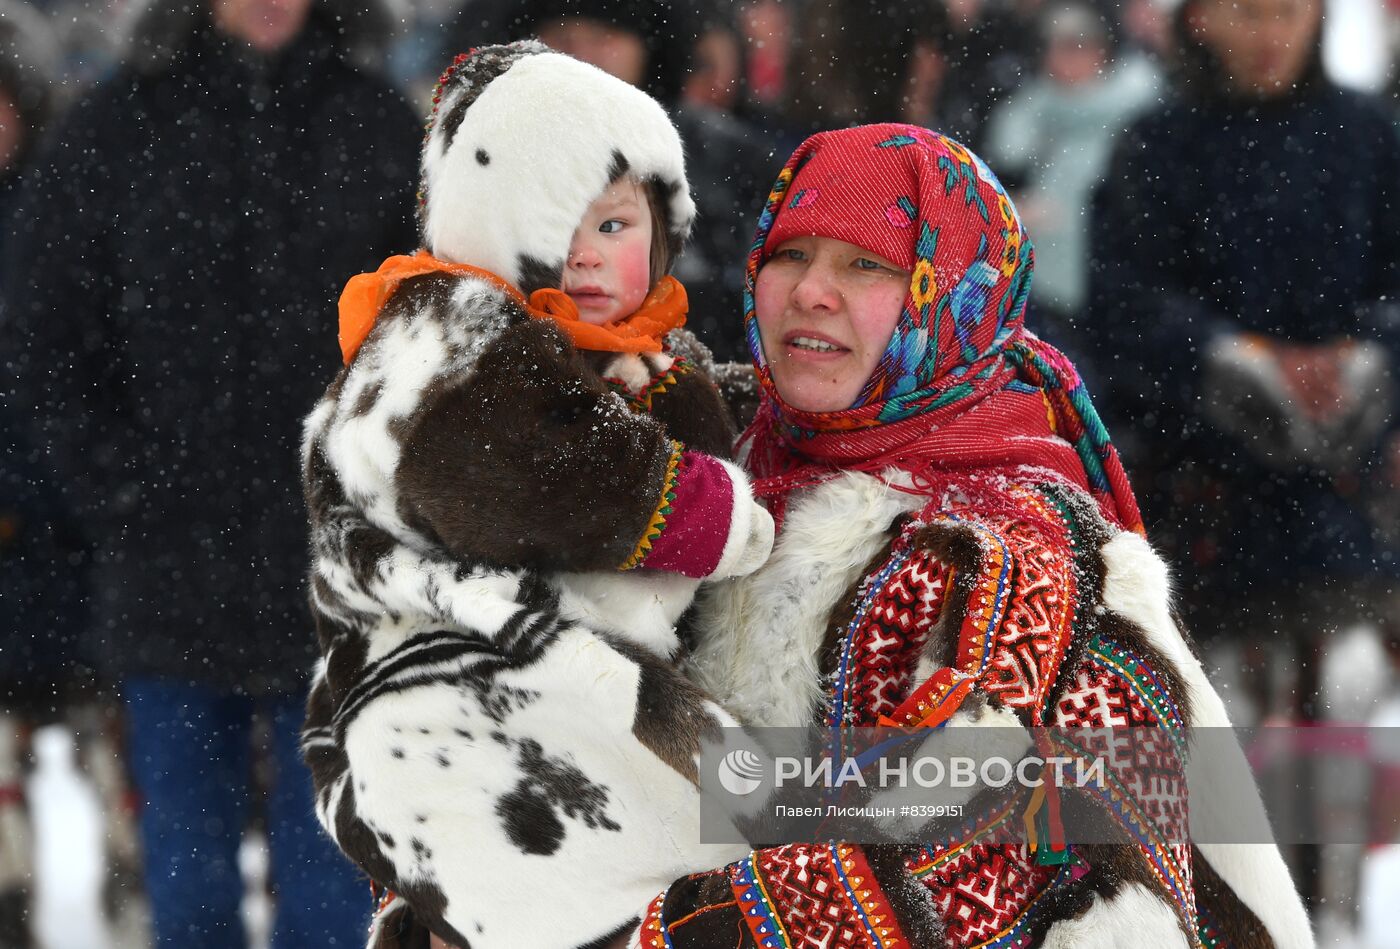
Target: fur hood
x=521, y=141
x=155, y=32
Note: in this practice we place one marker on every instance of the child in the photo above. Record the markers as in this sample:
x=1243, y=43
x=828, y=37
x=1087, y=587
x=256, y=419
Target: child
x=514, y=482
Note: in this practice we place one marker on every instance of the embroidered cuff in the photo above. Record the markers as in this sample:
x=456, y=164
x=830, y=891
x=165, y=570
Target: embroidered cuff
x=641, y=390
x=659, y=517
x=694, y=526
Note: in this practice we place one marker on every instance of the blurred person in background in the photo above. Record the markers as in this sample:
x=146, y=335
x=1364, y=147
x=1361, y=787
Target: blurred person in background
x=41, y=594
x=729, y=148
x=1246, y=301
x=45, y=677
x=1147, y=28
x=849, y=65
x=177, y=252
x=715, y=79
x=415, y=55
x=941, y=63
x=991, y=47
x=648, y=43
x=1052, y=140
x=89, y=46
x=656, y=45
x=765, y=27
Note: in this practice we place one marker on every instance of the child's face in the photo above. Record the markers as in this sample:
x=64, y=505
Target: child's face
x=608, y=272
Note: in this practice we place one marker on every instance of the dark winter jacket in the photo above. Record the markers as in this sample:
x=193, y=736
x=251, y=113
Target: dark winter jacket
x=1220, y=216
x=42, y=572
x=187, y=229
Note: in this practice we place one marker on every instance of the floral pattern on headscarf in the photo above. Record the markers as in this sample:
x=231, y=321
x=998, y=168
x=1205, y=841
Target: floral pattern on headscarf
x=927, y=203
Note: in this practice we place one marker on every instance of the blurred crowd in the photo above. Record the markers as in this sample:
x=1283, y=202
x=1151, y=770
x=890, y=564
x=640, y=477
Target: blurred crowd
x=1212, y=186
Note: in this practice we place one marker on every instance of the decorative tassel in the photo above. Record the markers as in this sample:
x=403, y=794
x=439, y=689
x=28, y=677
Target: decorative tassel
x=1045, y=832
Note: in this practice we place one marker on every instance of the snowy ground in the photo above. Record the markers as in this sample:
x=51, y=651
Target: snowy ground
x=68, y=828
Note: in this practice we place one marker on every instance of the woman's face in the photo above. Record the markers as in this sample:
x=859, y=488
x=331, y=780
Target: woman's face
x=826, y=311
x=1262, y=45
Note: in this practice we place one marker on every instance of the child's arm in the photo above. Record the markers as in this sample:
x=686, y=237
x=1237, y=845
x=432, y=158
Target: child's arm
x=677, y=389
x=530, y=459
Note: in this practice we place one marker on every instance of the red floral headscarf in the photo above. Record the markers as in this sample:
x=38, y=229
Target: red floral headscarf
x=962, y=385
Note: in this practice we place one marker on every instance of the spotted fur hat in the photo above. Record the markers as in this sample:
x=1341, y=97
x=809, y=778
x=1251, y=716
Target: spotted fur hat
x=521, y=140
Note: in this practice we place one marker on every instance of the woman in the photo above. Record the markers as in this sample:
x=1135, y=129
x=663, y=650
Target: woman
x=920, y=449
x=1265, y=346
x=957, y=545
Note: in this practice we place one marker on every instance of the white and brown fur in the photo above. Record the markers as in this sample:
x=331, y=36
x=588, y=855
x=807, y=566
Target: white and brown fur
x=496, y=731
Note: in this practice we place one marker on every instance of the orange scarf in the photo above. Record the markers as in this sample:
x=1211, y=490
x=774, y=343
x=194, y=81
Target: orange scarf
x=663, y=309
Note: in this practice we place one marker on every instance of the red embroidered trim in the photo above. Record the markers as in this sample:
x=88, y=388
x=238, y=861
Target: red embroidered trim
x=641, y=400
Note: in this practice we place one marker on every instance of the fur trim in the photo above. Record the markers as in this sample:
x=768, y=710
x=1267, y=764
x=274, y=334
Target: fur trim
x=1221, y=908
x=750, y=539
x=525, y=138
x=641, y=607
x=155, y=32
x=1132, y=917
x=739, y=384
x=1137, y=587
x=686, y=345
x=760, y=653
x=393, y=926
x=1260, y=880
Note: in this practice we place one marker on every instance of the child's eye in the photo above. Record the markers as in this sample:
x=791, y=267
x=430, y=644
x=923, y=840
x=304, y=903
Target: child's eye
x=611, y=226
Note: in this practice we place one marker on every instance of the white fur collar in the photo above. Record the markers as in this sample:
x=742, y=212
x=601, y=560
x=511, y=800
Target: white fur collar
x=762, y=634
